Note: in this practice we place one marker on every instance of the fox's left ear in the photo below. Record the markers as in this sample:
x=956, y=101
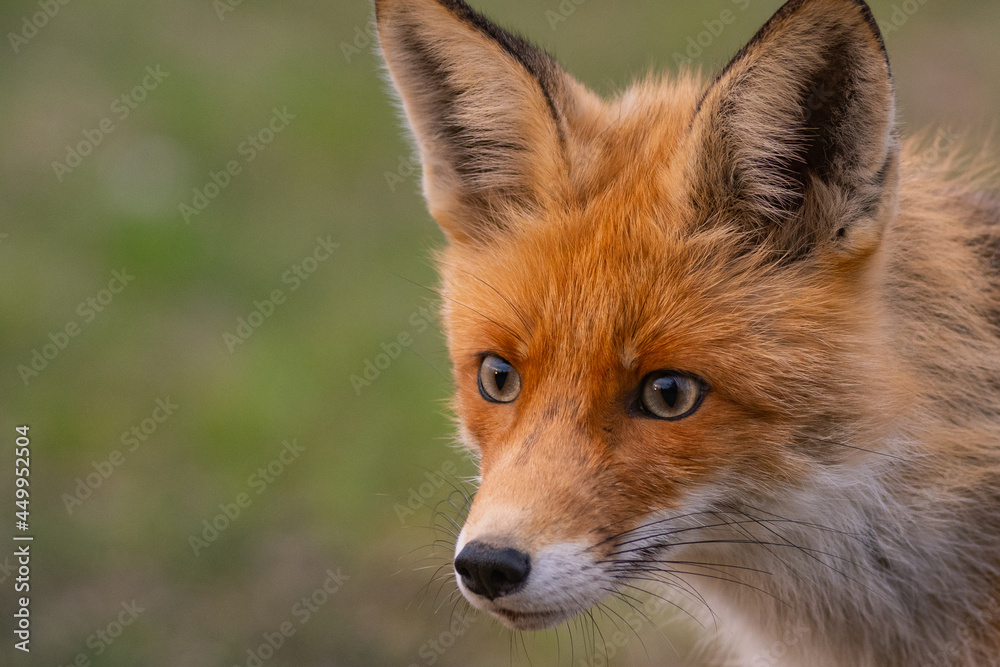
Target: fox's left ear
x=489, y=111
x=795, y=141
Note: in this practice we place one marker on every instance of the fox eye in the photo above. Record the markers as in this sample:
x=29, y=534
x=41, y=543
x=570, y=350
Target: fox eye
x=499, y=382
x=671, y=395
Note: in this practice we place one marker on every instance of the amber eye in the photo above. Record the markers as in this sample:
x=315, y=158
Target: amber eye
x=499, y=382
x=671, y=395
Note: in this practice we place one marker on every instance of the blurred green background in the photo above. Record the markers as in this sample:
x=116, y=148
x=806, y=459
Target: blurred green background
x=122, y=528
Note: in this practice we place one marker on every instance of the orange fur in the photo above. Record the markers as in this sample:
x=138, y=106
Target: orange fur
x=769, y=234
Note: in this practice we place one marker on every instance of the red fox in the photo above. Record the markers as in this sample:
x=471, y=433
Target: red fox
x=733, y=336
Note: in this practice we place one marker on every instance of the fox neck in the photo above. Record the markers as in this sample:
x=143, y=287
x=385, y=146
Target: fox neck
x=857, y=570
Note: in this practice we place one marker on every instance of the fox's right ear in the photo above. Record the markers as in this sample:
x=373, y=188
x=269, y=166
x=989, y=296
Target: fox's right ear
x=488, y=110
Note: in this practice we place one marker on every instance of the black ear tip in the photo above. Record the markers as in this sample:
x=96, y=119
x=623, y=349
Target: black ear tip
x=794, y=6
x=869, y=16
x=866, y=14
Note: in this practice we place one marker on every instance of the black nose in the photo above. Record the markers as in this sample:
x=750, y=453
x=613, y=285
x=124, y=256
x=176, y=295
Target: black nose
x=492, y=572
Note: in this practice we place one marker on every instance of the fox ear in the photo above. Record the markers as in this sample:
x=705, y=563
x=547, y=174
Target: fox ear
x=795, y=141
x=488, y=111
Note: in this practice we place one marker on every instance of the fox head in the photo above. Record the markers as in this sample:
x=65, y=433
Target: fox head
x=657, y=306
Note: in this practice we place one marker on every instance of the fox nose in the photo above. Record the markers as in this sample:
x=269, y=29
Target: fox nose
x=491, y=572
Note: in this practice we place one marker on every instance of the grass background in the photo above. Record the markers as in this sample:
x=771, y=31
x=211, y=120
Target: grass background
x=323, y=176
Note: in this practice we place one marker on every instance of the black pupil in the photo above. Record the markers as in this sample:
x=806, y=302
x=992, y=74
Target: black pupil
x=500, y=377
x=668, y=390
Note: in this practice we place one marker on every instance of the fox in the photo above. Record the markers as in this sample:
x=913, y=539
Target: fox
x=733, y=335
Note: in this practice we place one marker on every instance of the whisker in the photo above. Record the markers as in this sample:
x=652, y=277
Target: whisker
x=425, y=589
x=643, y=527
x=445, y=579
x=517, y=312
x=486, y=317
x=527, y=656
x=860, y=449
x=604, y=608
x=636, y=607
x=707, y=566
x=751, y=542
x=745, y=531
x=597, y=628
x=807, y=524
x=667, y=578
x=628, y=584
x=558, y=648
x=723, y=524
x=713, y=577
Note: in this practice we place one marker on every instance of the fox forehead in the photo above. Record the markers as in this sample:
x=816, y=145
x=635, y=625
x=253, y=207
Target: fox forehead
x=614, y=249
x=557, y=294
